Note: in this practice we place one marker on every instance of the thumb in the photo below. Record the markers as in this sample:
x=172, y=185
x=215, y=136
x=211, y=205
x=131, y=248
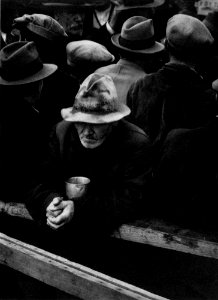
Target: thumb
x=57, y=201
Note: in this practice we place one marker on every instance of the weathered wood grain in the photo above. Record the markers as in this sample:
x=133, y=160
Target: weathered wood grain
x=183, y=240
x=67, y=276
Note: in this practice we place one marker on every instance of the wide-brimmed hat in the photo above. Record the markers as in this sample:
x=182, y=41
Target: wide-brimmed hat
x=96, y=102
x=20, y=64
x=185, y=33
x=87, y=51
x=42, y=25
x=137, y=36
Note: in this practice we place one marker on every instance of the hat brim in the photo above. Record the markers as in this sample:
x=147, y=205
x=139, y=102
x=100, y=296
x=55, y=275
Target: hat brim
x=47, y=70
x=155, y=3
x=74, y=116
x=157, y=47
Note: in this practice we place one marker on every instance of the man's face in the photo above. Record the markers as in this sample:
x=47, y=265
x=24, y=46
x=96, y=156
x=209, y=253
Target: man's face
x=32, y=92
x=92, y=135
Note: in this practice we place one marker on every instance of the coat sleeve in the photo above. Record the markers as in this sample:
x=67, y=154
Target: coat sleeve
x=48, y=182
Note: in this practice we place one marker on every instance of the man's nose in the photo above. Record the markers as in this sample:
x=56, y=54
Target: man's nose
x=88, y=129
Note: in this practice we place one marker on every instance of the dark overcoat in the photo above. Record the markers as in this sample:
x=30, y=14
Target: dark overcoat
x=176, y=96
x=119, y=170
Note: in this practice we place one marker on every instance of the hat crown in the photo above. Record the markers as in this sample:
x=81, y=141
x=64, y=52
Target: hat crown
x=19, y=60
x=137, y=28
x=86, y=50
x=42, y=25
x=97, y=95
x=18, y=53
x=187, y=32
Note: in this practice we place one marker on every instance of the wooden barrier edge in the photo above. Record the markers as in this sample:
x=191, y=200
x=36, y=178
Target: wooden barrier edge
x=142, y=232
x=70, y=277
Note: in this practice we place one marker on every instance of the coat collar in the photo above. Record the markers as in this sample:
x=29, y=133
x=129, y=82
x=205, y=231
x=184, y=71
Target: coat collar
x=129, y=63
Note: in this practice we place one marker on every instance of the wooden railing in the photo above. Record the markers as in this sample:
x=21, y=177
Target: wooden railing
x=152, y=232
x=67, y=276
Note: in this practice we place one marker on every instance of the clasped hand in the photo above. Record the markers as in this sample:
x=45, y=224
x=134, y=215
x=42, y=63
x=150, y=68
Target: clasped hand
x=59, y=212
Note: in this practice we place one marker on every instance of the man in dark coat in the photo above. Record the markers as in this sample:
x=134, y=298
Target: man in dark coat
x=118, y=12
x=138, y=55
x=92, y=141
x=177, y=109
x=177, y=95
x=21, y=129
x=51, y=40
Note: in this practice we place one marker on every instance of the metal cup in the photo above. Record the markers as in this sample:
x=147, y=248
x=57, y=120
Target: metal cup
x=76, y=186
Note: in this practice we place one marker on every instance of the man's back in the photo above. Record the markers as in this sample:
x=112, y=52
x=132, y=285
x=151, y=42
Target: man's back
x=175, y=96
x=124, y=73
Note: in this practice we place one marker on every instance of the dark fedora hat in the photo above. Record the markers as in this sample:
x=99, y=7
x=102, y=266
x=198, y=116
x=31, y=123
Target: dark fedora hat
x=20, y=64
x=96, y=102
x=137, y=35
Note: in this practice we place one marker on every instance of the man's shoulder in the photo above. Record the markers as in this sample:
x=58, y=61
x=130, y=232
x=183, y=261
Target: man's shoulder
x=106, y=69
x=151, y=79
x=132, y=133
x=63, y=127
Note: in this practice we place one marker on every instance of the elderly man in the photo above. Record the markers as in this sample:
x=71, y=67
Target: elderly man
x=92, y=141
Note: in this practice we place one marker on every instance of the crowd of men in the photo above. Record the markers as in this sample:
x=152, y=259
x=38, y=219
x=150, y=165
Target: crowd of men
x=133, y=111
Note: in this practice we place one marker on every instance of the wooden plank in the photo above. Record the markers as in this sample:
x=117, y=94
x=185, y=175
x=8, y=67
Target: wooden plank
x=169, y=237
x=151, y=232
x=70, y=277
x=15, y=209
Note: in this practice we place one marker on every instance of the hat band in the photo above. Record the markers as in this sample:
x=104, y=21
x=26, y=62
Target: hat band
x=95, y=108
x=11, y=73
x=137, y=45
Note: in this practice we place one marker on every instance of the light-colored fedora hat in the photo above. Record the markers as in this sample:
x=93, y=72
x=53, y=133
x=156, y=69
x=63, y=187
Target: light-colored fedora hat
x=137, y=36
x=20, y=64
x=96, y=102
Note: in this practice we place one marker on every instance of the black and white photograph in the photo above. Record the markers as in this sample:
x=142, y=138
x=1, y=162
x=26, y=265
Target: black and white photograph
x=109, y=150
